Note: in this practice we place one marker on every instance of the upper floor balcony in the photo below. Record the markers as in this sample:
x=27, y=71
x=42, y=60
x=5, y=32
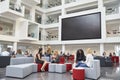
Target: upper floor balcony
x=31, y=2
x=11, y=9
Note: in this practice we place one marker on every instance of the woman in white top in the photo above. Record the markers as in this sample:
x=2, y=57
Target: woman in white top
x=89, y=59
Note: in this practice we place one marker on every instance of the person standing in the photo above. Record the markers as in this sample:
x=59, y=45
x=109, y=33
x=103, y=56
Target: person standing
x=6, y=52
x=19, y=53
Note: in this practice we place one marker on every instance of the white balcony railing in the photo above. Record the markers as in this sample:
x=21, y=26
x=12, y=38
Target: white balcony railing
x=8, y=6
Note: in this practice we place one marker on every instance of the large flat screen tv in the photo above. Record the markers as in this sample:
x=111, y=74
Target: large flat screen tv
x=81, y=27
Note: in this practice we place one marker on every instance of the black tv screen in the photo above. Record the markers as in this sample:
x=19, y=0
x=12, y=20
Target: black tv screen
x=81, y=27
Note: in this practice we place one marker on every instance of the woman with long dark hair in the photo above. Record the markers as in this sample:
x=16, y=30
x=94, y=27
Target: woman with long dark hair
x=89, y=60
x=38, y=59
x=80, y=56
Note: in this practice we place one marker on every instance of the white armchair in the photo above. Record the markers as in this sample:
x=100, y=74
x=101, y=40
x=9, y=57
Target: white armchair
x=92, y=72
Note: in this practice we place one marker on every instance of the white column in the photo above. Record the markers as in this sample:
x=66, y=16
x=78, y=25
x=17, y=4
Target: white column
x=101, y=48
x=16, y=28
x=119, y=8
x=100, y=3
x=43, y=18
x=63, y=48
x=44, y=34
x=15, y=46
x=103, y=23
x=63, y=12
x=63, y=9
x=59, y=29
x=117, y=49
x=32, y=14
x=45, y=3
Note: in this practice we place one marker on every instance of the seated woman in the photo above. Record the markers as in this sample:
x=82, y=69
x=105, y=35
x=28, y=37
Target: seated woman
x=80, y=56
x=105, y=55
x=89, y=59
x=27, y=54
x=114, y=54
x=55, y=57
x=19, y=53
x=38, y=59
x=110, y=55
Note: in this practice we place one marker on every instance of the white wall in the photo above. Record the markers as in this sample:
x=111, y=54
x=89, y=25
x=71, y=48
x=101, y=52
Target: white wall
x=57, y=47
x=31, y=48
x=72, y=49
x=109, y=48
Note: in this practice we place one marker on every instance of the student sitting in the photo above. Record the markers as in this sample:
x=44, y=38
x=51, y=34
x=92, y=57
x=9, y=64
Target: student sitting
x=80, y=56
x=38, y=59
x=55, y=57
x=89, y=59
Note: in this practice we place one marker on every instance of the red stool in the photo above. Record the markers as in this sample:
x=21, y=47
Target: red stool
x=71, y=58
x=119, y=59
x=46, y=67
x=68, y=66
x=115, y=59
x=40, y=65
x=78, y=74
x=62, y=60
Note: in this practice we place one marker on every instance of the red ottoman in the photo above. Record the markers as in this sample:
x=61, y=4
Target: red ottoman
x=40, y=65
x=62, y=60
x=115, y=59
x=68, y=66
x=78, y=74
x=46, y=67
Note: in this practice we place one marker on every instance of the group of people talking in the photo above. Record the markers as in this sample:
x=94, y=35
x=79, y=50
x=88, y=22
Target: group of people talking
x=81, y=59
x=54, y=57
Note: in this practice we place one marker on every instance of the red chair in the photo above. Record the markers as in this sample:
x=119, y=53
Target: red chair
x=68, y=66
x=78, y=74
x=62, y=60
x=71, y=58
x=46, y=67
x=115, y=59
x=40, y=65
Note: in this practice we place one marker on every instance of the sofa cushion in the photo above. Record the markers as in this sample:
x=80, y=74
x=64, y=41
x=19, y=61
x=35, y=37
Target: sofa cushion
x=28, y=60
x=15, y=61
x=21, y=70
x=4, y=61
x=52, y=67
x=60, y=68
x=21, y=60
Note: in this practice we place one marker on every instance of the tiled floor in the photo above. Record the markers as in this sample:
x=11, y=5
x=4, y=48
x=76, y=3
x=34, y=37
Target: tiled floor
x=107, y=73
